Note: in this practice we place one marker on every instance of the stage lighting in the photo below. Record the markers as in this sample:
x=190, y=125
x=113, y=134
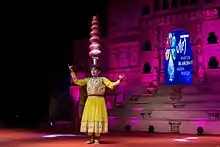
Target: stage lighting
x=200, y=130
x=151, y=129
x=127, y=128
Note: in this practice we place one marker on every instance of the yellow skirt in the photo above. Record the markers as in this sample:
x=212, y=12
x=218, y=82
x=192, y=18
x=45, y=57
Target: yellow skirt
x=95, y=117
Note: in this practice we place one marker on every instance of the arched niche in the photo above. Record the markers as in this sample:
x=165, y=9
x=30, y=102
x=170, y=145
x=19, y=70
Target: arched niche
x=212, y=38
x=213, y=63
x=147, y=46
x=145, y=10
x=147, y=68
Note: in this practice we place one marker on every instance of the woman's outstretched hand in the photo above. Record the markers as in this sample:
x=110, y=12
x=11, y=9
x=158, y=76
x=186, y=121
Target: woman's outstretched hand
x=70, y=68
x=121, y=77
x=73, y=75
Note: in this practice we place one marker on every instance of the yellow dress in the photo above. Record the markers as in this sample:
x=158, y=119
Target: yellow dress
x=95, y=117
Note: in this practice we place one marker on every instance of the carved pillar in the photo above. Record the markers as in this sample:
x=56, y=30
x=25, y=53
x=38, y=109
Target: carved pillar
x=161, y=69
x=200, y=68
x=155, y=78
x=201, y=74
x=153, y=86
x=156, y=66
x=157, y=55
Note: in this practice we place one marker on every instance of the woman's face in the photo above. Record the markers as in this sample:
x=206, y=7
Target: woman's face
x=95, y=72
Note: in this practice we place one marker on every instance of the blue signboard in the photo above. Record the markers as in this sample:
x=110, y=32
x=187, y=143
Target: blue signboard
x=178, y=60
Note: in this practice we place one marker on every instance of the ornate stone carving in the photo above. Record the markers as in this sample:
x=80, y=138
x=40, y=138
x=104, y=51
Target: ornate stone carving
x=178, y=104
x=201, y=74
x=143, y=114
x=114, y=57
x=119, y=104
x=124, y=58
x=133, y=98
x=193, y=15
x=146, y=113
x=176, y=97
x=133, y=54
x=199, y=52
x=175, y=126
x=155, y=83
x=214, y=115
x=124, y=39
x=210, y=14
x=198, y=28
x=149, y=113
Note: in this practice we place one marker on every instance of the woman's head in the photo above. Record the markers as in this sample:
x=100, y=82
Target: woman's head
x=95, y=70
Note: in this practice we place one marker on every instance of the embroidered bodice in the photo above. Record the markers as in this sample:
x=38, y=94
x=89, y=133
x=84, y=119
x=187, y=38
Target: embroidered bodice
x=95, y=86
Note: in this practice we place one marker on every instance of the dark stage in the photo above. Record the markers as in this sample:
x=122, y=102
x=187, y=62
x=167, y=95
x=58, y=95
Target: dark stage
x=24, y=138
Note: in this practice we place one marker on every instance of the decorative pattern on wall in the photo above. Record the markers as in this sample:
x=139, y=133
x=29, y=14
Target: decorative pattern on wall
x=124, y=57
x=175, y=126
x=145, y=114
x=214, y=116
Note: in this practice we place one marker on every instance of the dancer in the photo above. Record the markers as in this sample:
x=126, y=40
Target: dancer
x=95, y=118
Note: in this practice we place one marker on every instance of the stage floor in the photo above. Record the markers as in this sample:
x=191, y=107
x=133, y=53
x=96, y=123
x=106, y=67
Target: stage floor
x=22, y=138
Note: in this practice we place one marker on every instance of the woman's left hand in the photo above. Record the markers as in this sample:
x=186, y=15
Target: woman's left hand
x=121, y=77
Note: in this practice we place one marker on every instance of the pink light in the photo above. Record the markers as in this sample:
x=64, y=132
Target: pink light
x=181, y=140
x=186, y=139
x=74, y=91
x=191, y=138
x=134, y=120
x=137, y=109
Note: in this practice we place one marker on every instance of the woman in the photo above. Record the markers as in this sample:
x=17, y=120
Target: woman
x=95, y=118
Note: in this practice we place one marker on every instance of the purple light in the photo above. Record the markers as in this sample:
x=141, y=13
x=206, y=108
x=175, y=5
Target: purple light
x=60, y=135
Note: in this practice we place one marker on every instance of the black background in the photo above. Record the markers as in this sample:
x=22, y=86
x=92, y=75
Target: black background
x=37, y=46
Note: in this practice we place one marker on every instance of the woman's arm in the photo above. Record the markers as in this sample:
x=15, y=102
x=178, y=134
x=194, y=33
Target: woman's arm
x=80, y=82
x=111, y=84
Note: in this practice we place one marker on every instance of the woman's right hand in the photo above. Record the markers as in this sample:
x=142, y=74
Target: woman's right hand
x=72, y=73
x=70, y=68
